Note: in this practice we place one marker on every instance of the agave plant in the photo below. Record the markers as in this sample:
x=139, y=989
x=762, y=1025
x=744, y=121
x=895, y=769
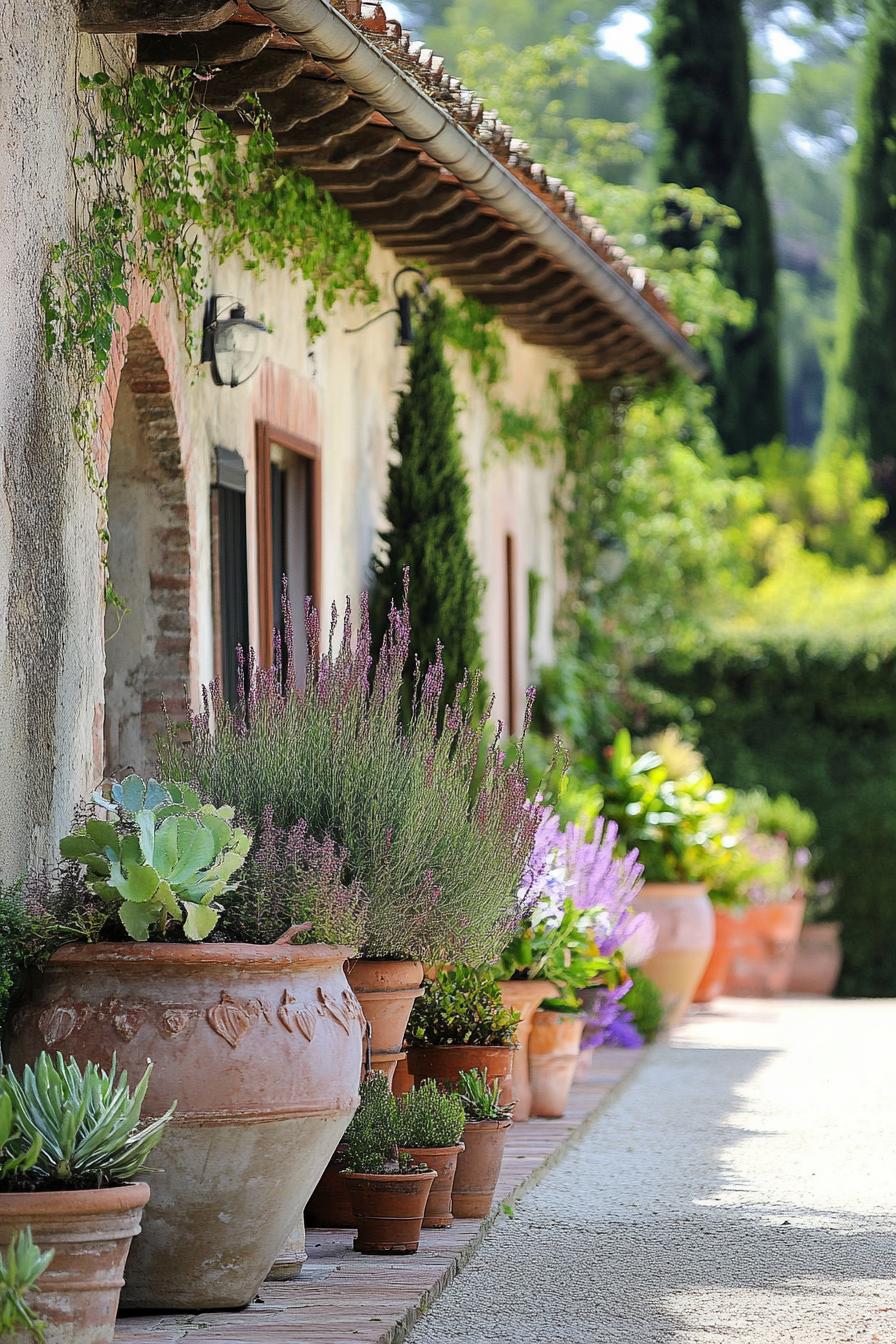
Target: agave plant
x=160, y=855
x=61, y=1127
x=20, y=1270
x=480, y=1098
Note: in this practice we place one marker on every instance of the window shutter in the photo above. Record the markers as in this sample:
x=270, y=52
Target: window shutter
x=231, y=579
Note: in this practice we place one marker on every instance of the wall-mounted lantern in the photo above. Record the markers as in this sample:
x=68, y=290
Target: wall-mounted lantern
x=407, y=290
x=231, y=341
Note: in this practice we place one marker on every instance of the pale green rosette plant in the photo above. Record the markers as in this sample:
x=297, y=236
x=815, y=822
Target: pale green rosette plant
x=159, y=856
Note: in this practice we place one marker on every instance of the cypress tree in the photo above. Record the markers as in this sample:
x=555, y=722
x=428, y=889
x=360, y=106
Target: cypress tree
x=860, y=405
x=705, y=140
x=428, y=515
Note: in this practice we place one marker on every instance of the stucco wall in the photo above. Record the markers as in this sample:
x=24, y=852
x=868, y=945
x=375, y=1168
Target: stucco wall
x=339, y=394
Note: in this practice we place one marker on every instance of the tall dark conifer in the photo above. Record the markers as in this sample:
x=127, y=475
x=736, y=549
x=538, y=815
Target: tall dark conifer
x=428, y=515
x=705, y=140
x=861, y=399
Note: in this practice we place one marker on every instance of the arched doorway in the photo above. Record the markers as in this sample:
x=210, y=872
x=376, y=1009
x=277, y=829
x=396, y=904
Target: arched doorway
x=147, y=644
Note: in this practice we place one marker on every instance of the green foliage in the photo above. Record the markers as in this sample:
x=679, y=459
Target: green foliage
x=372, y=1136
x=462, y=1006
x=22, y=933
x=430, y=1118
x=480, y=1098
x=61, y=1128
x=818, y=721
x=556, y=943
x=162, y=857
x=701, y=58
x=645, y=1003
x=20, y=1270
x=428, y=513
x=861, y=401
x=779, y=815
x=684, y=829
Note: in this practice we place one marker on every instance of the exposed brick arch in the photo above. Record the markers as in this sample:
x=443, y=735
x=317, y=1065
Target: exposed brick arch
x=148, y=648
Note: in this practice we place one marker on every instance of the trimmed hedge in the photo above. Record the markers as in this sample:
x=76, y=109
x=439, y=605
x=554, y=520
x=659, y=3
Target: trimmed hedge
x=822, y=726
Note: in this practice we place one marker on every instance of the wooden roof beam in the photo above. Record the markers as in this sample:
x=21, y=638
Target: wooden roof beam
x=269, y=72
x=154, y=16
x=350, y=150
x=220, y=46
x=321, y=131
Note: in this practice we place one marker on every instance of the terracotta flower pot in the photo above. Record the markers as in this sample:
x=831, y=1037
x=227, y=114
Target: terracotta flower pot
x=685, y=933
x=329, y=1205
x=401, y=1077
x=478, y=1168
x=388, y=1211
x=523, y=997
x=90, y=1233
x=444, y=1063
x=261, y=1049
x=816, y=966
x=765, y=948
x=553, y=1056
x=443, y=1161
x=387, y=1061
x=715, y=977
x=386, y=991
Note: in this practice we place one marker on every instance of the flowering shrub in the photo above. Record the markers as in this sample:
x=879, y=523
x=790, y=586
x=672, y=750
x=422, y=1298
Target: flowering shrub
x=433, y=821
x=579, y=908
x=462, y=1006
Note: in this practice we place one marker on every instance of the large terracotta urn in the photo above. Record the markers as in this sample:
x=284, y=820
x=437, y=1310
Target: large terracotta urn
x=765, y=944
x=261, y=1049
x=685, y=926
x=523, y=997
x=554, y=1048
x=819, y=957
x=89, y=1233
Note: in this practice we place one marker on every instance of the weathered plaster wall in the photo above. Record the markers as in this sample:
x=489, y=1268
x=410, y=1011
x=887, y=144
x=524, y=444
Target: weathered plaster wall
x=340, y=394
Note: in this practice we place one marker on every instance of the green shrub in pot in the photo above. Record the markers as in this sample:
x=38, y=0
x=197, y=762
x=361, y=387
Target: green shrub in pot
x=480, y=1098
x=462, y=1006
x=429, y=1118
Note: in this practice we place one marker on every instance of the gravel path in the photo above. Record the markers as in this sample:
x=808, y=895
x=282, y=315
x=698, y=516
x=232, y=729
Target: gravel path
x=742, y=1190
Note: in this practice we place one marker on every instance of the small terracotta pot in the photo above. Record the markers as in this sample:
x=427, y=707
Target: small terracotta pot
x=261, y=1048
x=523, y=997
x=386, y=1061
x=443, y=1161
x=765, y=948
x=444, y=1063
x=388, y=1211
x=553, y=1056
x=478, y=1168
x=583, y=1065
x=90, y=1232
x=715, y=977
x=819, y=957
x=329, y=1205
x=685, y=934
x=386, y=991
x=401, y=1077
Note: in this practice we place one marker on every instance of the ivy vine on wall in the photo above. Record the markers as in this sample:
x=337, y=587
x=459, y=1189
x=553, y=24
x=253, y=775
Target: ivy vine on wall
x=160, y=183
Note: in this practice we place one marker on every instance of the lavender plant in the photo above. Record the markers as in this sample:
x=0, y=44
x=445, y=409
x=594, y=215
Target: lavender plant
x=291, y=879
x=434, y=821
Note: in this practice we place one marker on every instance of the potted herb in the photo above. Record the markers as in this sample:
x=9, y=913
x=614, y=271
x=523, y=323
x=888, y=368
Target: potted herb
x=260, y=1042
x=461, y=1023
x=387, y=1189
x=487, y=1120
x=431, y=816
x=430, y=1125
x=20, y=1269
x=71, y=1143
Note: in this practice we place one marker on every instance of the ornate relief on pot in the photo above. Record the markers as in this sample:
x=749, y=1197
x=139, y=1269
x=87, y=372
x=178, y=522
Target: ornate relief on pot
x=292, y=1014
x=124, y=1018
x=232, y=1018
x=341, y=1011
x=57, y=1024
x=174, y=1022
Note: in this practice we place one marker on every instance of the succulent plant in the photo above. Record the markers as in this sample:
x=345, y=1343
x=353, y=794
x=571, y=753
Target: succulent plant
x=161, y=855
x=61, y=1127
x=481, y=1098
x=20, y=1270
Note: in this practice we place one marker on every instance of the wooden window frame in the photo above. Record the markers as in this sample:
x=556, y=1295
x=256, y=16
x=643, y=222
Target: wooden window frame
x=511, y=628
x=266, y=435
